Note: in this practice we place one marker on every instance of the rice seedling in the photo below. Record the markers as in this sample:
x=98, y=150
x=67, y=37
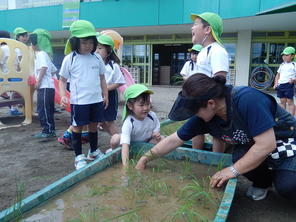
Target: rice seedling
x=98, y=190
x=194, y=192
x=187, y=212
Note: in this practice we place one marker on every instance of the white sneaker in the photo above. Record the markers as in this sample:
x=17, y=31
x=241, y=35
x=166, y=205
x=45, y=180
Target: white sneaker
x=109, y=150
x=97, y=154
x=80, y=161
x=256, y=193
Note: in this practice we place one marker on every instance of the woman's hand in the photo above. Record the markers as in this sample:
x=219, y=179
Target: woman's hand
x=222, y=176
x=141, y=165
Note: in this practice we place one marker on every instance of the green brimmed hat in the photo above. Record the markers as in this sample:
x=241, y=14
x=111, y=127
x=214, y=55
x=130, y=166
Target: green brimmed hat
x=196, y=47
x=80, y=29
x=19, y=30
x=132, y=92
x=214, y=21
x=288, y=50
x=43, y=40
x=106, y=40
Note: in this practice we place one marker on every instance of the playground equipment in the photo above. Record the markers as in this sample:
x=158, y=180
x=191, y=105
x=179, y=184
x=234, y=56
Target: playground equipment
x=12, y=80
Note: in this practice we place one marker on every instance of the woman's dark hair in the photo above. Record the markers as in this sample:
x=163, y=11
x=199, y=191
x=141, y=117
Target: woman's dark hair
x=145, y=97
x=204, y=88
x=111, y=55
x=75, y=43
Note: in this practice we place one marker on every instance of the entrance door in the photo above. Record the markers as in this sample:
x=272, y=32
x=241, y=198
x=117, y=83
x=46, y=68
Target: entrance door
x=167, y=61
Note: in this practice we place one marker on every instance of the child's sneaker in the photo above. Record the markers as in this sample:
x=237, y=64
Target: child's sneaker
x=42, y=135
x=65, y=141
x=97, y=154
x=80, y=161
x=15, y=112
x=256, y=193
x=109, y=150
x=84, y=137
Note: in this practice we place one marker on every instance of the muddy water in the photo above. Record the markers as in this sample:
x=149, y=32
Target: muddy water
x=167, y=191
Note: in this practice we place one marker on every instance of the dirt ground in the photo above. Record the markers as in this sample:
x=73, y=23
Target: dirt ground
x=38, y=163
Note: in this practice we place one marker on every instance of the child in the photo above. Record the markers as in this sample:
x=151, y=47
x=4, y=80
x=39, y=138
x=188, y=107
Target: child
x=284, y=80
x=88, y=88
x=213, y=58
x=114, y=79
x=190, y=66
x=140, y=124
x=21, y=35
x=44, y=86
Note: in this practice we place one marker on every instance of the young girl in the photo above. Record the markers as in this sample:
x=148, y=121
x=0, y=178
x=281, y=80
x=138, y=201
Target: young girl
x=190, y=66
x=114, y=79
x=140, y=124
x=88, y=88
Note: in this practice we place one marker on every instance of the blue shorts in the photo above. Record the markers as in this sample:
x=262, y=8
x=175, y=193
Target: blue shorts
x=110, y=114
x=285, y=90
x=82, y=115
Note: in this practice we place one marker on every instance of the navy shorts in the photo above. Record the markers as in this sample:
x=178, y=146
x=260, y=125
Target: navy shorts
x=82, y=115
x=110, y=114
x=285, y=90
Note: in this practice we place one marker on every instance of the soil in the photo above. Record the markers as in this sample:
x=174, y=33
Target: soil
x=38, y=163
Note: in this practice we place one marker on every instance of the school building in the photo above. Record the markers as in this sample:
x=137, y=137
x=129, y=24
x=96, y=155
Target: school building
x=157, y=33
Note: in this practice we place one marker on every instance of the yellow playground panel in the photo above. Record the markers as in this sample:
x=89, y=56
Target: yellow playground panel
x=17, y=64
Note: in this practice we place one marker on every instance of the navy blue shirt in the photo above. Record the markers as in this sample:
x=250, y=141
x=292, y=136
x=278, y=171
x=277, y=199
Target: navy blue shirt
x=256, y=110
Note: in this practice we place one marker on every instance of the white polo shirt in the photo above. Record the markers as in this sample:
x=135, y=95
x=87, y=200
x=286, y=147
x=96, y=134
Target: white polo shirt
x=42, y=60
x=287, y=71
x=187, y=69
x=212, y=59
x=113, y=75
x=84, y=73
x=139, y=130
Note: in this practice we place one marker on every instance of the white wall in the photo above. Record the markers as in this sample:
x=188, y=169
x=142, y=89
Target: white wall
x=243, y=56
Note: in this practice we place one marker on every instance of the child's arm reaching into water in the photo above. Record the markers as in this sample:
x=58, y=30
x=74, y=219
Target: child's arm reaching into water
x=125, y=154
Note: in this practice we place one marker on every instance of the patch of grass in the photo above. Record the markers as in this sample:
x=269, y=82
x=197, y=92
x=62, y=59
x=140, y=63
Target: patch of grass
x=171, y=128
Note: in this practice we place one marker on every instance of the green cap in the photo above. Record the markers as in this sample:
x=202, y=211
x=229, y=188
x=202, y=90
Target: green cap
x=215, y=22
x=19, y=30
x=288, y=50
x=131, y=92
x=43, y=40
x=106, y=40
x=196, y=47
x=80, y=29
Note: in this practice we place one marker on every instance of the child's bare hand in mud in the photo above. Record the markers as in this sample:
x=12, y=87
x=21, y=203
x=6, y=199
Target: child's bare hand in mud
x=156, y=136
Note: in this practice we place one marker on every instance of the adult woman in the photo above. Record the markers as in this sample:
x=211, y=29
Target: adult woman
x=262, y=132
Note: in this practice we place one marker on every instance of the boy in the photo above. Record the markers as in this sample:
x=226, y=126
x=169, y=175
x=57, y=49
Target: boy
x=45, y=88
x=284, y=80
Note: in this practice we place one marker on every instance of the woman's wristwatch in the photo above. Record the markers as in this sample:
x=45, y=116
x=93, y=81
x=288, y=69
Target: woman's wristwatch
x=234, y=171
